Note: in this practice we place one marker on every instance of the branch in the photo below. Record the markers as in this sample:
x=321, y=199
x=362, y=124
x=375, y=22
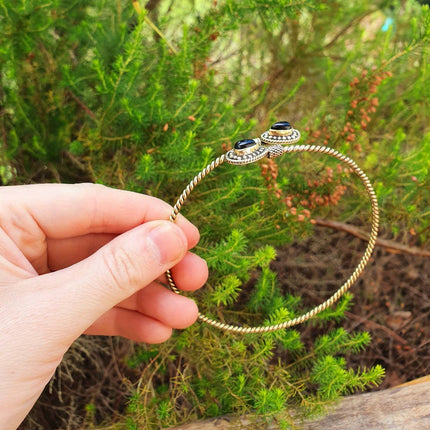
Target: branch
x=373, y=324
x=82, y=105
x=150, y=6
x=390, y=245
x=353, y=21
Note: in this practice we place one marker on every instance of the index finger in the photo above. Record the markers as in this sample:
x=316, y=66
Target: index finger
x=69, y=210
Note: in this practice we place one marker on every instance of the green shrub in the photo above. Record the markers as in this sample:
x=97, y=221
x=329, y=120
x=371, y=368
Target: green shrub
x=107, y=91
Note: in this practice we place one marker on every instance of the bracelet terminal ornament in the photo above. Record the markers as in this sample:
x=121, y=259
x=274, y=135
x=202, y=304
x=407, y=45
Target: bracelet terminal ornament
x=277, y=141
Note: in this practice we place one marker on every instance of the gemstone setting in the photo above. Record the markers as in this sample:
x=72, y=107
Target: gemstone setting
x=246, y=151
x=281, y=126
x=243, y=144
x=281, y=132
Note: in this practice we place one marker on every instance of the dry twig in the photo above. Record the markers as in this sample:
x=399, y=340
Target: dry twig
x=390, y=245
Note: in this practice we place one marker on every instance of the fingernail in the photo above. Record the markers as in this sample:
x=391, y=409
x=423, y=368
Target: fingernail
x=169, y=240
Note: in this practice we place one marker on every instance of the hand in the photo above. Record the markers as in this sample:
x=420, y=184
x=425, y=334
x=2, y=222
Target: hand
x=75, y=259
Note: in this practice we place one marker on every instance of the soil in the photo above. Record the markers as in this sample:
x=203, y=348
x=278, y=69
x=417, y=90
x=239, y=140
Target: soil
x=391, y=299
x=391, y=302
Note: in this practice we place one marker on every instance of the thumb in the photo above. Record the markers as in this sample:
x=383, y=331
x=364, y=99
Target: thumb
x=80, y=294
x=133, y=260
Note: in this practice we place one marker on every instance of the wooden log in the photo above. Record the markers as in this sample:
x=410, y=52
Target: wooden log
x=226, y=423
x=406, y=407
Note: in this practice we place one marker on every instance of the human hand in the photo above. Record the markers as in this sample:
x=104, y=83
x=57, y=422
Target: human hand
x=74, y=259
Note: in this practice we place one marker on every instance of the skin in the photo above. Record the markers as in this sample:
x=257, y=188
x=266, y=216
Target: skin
x=88, y=259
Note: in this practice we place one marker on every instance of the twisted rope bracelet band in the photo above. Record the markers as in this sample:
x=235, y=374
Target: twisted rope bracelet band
x=277, y=141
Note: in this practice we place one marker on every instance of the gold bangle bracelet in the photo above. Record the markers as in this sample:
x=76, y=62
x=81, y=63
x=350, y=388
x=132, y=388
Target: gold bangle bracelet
x=277, y=141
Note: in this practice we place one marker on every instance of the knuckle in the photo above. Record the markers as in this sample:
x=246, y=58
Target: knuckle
x=122, y=268
x=90, y=189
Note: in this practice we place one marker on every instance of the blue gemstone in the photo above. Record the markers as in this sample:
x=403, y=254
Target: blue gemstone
x=281, y=126
x=244, y=143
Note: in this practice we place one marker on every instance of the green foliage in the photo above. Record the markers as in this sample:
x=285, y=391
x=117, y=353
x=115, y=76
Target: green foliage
x=338, y=312
x=227, y=292
x=247, y=377
x=333, y=379
x=110, y=92
x=340, y=341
